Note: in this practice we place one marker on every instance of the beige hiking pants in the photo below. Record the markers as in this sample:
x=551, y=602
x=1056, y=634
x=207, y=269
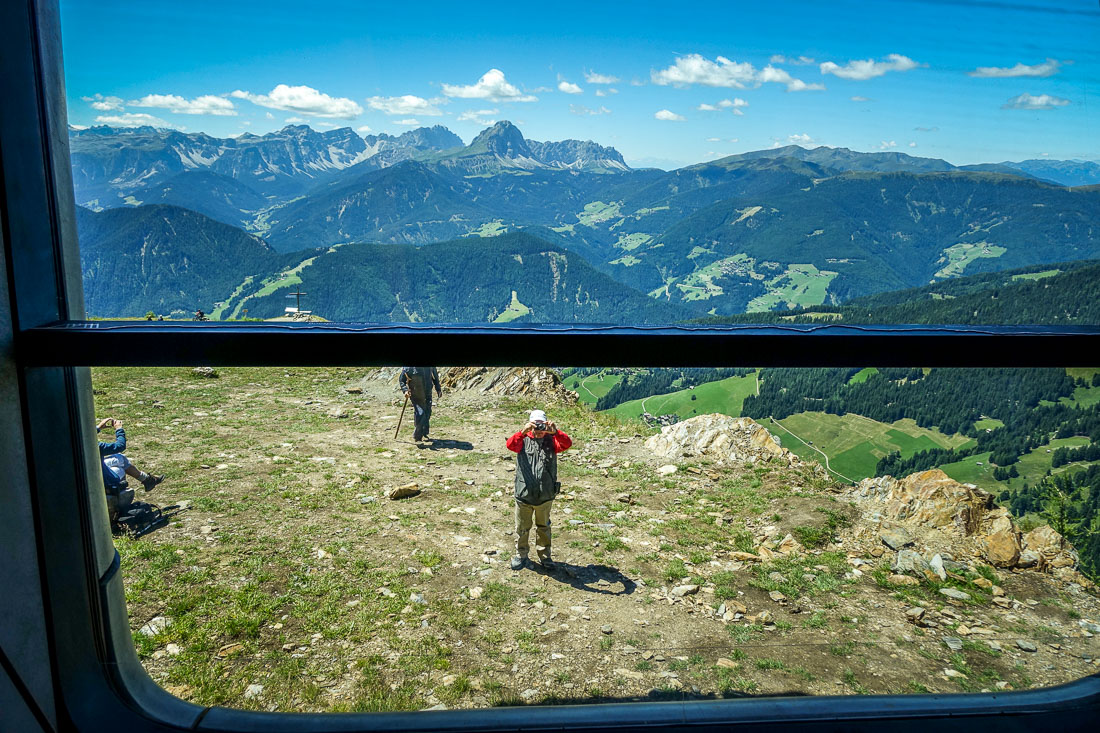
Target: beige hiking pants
x=540, y=515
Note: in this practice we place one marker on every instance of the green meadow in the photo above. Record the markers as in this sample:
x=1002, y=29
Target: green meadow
x=725, y=396
x=853, y=443
x=591, y=388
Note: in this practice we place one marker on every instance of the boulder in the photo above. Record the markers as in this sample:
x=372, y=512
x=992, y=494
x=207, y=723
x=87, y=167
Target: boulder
x=722, y=438
x=955, y=594
x=962, y=518
x=1001, y=542
x=895, y=538
x=909, y=561
x=403, y=492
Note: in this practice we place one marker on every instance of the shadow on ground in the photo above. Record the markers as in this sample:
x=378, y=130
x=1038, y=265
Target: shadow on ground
x=592, y=578
x=445, y=445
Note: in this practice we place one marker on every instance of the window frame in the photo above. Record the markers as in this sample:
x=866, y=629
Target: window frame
x=75, y=665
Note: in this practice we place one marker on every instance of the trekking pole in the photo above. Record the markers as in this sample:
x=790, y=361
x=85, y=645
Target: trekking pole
x=395, y=432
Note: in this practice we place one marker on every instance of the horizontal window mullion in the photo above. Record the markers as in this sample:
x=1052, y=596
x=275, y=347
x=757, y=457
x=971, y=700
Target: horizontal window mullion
x=129, y=343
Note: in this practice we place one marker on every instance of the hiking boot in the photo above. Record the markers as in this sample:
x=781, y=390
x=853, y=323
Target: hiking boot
x=151, y=481
x=547, y=564
x=518, y=562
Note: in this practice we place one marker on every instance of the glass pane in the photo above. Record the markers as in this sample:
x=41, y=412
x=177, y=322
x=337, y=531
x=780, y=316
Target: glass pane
x=717, y=533
x=922, y=163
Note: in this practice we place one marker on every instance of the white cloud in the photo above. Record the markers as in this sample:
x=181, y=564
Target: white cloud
x=134, y=119
x=860, y=99
x=580, y=109
x=606, y=92
x=479, y=116
x=714, y=139
x=912, y=144
x=407, y=104
x=593, y=78
x=799, y=61
x=207, y=104
x=363, y=129
x=779, y=76
x=269, y=116
x=927, y=129
x=305, y=100
x=1031, y=101
x=668, y=116
x=105, y=104
x=295, y=121
x=1047, y=68
x=736, y=103
x=886, y=145
x=492, y=86
x=410, y=122
x=862, y=70
x=569, y=87
x=696, y=69
x=78, y=127
x=799, y=139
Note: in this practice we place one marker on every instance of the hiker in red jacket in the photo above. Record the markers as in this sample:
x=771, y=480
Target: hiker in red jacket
x=536, y=446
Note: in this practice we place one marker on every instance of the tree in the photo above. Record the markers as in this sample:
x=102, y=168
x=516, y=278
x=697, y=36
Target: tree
x=1056, y=493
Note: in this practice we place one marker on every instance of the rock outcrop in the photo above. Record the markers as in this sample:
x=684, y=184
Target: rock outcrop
x=960, y=520
x=538, y=383
x=722, y=438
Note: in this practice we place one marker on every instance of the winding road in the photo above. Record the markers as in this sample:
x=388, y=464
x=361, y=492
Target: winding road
x=827, y=467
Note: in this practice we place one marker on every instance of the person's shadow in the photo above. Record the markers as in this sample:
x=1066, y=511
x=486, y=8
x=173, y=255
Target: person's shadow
x=446, y=445
x=591, y=578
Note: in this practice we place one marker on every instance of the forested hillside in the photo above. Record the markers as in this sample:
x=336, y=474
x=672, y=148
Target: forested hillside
x=513, y=277
x=1064, y=293
x=164, y=259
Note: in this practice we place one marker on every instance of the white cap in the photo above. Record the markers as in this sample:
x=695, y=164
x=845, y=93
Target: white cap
x=538, y=416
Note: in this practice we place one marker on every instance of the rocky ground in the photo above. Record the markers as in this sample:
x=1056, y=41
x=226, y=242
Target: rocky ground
x=706, y=562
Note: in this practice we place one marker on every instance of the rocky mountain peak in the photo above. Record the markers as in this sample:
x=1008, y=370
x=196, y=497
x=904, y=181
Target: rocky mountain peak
x=503, y=139
x=436, y=137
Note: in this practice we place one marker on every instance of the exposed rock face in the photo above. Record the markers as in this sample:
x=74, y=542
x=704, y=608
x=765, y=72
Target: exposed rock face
x=963, y=519
x=1048, y=549
x=720, y=437
x=537, y=382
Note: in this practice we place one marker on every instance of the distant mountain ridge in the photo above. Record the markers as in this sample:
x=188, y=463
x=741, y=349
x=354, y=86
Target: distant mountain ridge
x=760, y=231
x=114, y=166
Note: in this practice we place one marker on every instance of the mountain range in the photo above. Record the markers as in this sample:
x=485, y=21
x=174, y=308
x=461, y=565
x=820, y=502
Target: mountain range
x=761, y=231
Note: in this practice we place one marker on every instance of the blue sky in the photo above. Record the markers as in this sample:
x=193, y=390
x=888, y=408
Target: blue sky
x=674, y=82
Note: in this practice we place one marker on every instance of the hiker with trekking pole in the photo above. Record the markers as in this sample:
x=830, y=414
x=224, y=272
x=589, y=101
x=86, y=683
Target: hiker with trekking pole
x=417, y=383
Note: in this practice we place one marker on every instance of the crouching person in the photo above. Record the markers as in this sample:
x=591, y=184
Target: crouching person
x=116, y=467
x=536, y=445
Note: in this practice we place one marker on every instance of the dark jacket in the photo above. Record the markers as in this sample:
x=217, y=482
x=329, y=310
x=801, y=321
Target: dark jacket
x=109, y=449
x=418, y=383
x=537, y=466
